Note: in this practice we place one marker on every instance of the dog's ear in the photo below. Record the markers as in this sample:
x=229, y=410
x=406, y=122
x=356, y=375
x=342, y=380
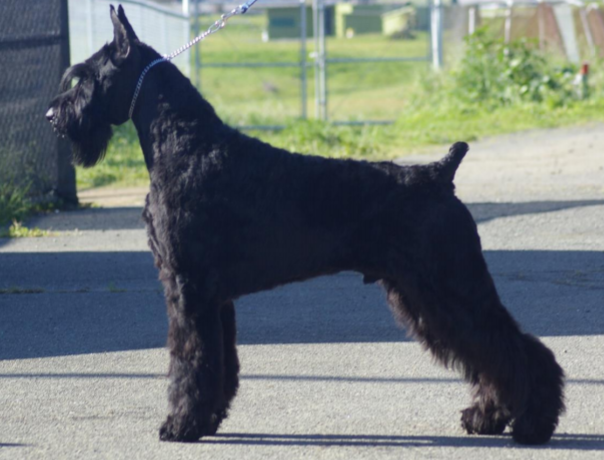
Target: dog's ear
x=123, y=33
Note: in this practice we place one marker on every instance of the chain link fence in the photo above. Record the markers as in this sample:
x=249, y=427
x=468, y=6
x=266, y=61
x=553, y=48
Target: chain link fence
x=347, y=62
x=284, y=59
x=161, y=25
x=33, y=56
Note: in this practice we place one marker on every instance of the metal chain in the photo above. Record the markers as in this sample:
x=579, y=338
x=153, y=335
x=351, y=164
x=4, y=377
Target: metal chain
x=219, y=24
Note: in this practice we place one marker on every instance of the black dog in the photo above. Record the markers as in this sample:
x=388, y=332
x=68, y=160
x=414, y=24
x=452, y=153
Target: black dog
x=228, y=215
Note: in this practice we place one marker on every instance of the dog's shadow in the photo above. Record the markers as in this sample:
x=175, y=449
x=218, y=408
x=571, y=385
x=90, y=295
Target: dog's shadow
x=130, y=218
x=558, y=442
x=66, y=303
x=95, y=302
x=484, y=212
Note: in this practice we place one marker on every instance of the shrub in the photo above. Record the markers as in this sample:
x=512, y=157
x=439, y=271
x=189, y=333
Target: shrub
x=495, y=73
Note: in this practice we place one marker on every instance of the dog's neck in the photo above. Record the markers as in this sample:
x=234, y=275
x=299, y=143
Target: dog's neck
x=169, y=97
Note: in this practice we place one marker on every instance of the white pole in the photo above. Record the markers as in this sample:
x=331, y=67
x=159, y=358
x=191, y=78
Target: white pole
x=508, y=22
x=322, y=63
x=472, y=20
x=587, y=30
x=437, y=35
x=315, y=28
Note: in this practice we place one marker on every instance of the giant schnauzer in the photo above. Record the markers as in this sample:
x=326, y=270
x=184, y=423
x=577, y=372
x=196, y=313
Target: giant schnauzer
x=228, y=215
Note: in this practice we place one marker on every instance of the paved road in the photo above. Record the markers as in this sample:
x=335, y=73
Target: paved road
x=325, y=373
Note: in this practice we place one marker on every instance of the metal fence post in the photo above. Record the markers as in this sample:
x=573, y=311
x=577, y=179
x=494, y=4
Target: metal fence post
x=322, y=63
x=198, y=46
x=508, y=23
x=66, y=176
x=436, y=25
x=303, y=69
x=472, y=19
x=315, y=31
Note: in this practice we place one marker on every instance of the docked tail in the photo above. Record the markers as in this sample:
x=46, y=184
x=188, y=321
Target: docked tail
x=445, y=169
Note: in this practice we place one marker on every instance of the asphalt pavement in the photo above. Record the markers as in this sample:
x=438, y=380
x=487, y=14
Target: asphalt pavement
x=326, y=374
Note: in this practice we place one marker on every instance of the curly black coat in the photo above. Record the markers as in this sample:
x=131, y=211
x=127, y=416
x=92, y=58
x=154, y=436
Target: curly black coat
x=229, y=215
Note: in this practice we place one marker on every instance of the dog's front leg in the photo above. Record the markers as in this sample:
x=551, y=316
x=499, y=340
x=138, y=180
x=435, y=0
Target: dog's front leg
x=196, y=364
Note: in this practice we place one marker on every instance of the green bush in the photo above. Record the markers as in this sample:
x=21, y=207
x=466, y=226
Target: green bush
x=322, y=138
x=494, y=73
x=14, y=203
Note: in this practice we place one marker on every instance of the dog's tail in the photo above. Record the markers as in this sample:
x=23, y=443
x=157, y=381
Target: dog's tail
x=446, y=168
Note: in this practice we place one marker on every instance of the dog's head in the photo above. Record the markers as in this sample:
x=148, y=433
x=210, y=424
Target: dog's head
x=97, y=93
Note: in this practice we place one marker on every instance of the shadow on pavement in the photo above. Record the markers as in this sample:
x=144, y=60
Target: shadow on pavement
x=564, y=441
x=55, y=304
x=483, y=212
x=126, y=218
x=269, y=377
x=129, y=218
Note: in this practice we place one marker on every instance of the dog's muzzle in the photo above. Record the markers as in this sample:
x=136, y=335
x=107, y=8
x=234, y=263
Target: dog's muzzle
x=50, y=116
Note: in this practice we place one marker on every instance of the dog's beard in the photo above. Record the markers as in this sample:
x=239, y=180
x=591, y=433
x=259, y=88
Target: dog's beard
x=88, y=134
x=91, y=145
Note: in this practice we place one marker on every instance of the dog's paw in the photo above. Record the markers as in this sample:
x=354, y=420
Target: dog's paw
x=213, y=426
x=215, y=422
x=527, y=431
x=475, y=421
x=179, y=430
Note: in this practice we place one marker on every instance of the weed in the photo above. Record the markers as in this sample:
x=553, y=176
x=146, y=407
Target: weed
x=113, y=289
x=19, y=290
x=14, y=202
x=18, y=230
x=496, y=73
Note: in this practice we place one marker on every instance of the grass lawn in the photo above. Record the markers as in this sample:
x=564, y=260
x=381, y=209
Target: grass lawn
x=358, y=91
x=412, y=133
x=263, y=95
x=425, y=108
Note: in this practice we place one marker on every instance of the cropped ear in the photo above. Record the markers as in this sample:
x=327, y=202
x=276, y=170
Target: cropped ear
x=123, y=33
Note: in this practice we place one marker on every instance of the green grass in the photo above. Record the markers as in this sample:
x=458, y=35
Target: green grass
x=114, y=289
x=270, y=95
x=14, y=202
x=18, y=230
x=414, y=131
x=123, y=165
x=19, y=290
x=15, y=205
x=429, y=110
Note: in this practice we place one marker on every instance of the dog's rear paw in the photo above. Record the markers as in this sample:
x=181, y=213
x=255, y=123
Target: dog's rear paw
x=215, y=423
x=527, y=431
x=179, y=430
x=475, y=421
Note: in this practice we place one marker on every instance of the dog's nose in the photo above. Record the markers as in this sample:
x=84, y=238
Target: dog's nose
x=50, y=114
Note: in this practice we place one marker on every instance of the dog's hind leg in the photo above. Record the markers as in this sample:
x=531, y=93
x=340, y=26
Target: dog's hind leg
x=195, y=340
x=487, y=416
x=460, y=319
x=231, y=363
